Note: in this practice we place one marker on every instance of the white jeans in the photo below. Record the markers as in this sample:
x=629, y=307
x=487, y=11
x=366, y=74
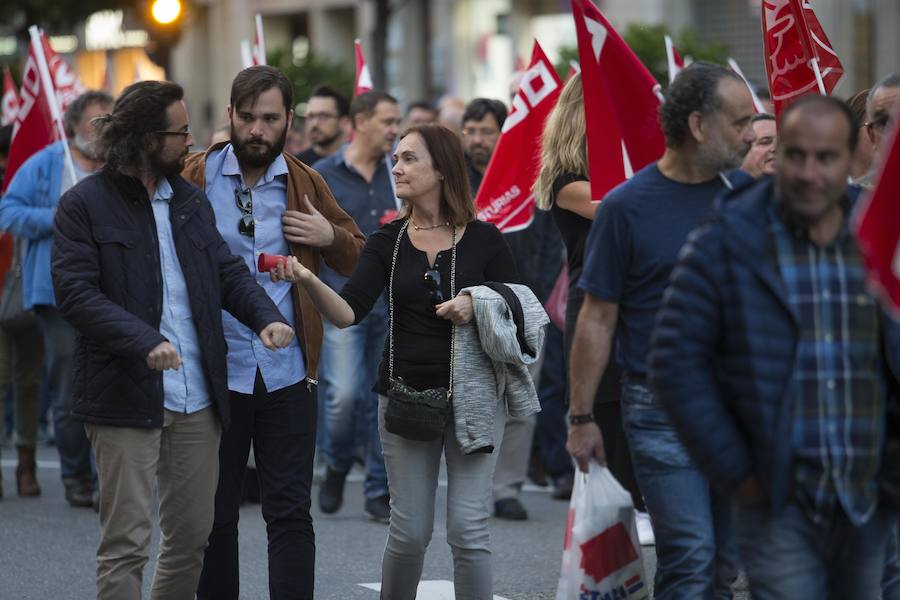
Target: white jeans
x=412, y=469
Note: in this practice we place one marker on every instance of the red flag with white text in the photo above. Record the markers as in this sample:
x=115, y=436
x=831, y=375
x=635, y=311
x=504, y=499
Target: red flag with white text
x=10, y=102
x=363, y=82
x=793, y=38
x=33, y=129
x=504, y=197
x=68, y=86
x=621, y=102
x=878, y=231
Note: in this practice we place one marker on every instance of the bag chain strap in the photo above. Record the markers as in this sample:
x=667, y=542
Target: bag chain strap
x=391, y=302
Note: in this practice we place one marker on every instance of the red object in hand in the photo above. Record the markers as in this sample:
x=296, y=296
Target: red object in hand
x=267, y=262
x=388, y=216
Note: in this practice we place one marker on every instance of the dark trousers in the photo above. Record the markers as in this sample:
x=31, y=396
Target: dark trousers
x=551, y=431
x=282, y=426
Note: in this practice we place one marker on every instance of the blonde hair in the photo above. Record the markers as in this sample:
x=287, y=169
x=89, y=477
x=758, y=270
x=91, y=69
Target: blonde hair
x=564, y=142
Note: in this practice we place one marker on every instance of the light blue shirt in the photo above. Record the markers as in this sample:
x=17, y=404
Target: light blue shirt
x=246, y=353
x=184, y=390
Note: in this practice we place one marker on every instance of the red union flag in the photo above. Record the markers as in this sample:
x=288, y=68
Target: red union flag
x=793, y=38
x=505, y=197
x=878, y=231
x=33, y=129
x=363, y=81
x=10, y=102
x=68, y=86
x=621, y=102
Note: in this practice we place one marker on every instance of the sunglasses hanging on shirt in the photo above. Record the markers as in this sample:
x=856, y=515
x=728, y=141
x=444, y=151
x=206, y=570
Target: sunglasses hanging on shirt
x=244, y=200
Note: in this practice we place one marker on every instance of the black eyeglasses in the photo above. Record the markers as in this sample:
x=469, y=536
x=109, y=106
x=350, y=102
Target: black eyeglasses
x=244, y=200
x=433, y=284
x=184, y=133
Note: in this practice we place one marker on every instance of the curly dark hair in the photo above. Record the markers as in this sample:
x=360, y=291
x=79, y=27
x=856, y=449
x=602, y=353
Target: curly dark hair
x=126, y=134
x=695, y=89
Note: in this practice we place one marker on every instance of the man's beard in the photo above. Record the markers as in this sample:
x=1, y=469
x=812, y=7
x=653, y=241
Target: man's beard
x=86, y=146
x=166, y=168
x=327, y=142
x=251, y=158
x=718, y=156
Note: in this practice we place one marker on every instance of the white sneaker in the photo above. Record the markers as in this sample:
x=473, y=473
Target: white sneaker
x=644, y=528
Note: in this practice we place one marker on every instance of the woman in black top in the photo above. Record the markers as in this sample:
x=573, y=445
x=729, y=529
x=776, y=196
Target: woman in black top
x=564, y=189
x=431, y=179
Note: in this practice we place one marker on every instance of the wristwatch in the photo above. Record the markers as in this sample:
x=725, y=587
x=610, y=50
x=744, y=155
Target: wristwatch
x=581, y=419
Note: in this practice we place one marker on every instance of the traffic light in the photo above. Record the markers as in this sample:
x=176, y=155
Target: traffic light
x=164, y=21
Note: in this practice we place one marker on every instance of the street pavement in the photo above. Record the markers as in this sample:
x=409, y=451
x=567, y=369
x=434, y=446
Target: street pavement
x=47, y=548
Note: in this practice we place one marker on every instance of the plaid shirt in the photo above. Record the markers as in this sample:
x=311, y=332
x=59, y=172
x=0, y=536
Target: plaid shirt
x=837, y=390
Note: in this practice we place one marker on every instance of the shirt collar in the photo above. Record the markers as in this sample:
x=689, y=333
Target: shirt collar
x=163, y=190
x=230, y=166
x=779, y=214
x=342, y=157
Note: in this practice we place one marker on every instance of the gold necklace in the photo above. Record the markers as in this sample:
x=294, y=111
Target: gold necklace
x=429, y=227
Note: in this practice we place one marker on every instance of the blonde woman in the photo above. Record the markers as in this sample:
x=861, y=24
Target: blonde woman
x=563, y=188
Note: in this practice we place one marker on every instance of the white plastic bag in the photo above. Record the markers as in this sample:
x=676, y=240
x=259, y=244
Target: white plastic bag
x=601, y=554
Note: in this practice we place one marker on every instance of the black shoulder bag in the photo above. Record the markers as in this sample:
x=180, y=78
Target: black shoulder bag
x=411, y=414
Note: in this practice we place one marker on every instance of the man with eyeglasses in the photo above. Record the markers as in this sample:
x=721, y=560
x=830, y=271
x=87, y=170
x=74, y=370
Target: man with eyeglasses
x=327, y=122
x=26, y=211
x=882, y=108
x=268, y=202
x=143, y=276
x=359, y=176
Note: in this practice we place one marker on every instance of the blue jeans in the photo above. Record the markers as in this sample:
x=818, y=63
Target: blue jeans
x=347, y=371
x=695, y=550
x=788, y=556
x=59, y=358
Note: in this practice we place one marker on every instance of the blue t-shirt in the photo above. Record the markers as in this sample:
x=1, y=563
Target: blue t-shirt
x=633, y=246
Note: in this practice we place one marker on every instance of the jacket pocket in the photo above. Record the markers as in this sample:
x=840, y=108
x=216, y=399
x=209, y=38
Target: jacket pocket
x=116, y=249
x=104, y=234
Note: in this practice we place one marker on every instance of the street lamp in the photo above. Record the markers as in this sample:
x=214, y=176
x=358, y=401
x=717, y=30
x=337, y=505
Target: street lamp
x=165, y=11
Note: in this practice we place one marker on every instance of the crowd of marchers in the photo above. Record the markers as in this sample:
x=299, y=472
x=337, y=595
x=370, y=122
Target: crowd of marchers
x=721, y=352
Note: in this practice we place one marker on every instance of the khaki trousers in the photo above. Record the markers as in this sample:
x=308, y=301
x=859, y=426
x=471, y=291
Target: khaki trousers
x=183, y=458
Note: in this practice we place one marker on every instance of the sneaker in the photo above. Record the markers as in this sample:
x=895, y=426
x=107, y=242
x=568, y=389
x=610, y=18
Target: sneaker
x=379, y=509
x=644, y=529
x=331, y=493
x=562, y=486
x=510, y=509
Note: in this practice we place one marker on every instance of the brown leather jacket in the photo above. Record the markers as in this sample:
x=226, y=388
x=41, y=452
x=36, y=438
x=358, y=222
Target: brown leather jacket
x=341, y=255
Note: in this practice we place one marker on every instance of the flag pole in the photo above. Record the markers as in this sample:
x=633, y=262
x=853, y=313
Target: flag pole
x=670, y=58
x=814, y=63
x=50, y=94
x=260, y=39
x=756, y=101
x=246, y=54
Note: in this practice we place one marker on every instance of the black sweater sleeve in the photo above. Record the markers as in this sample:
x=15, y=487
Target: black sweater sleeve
x=370, y=277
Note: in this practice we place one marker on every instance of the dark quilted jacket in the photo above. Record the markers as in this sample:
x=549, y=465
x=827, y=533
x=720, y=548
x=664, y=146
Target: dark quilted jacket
x=723, y=348
x=108, y=286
